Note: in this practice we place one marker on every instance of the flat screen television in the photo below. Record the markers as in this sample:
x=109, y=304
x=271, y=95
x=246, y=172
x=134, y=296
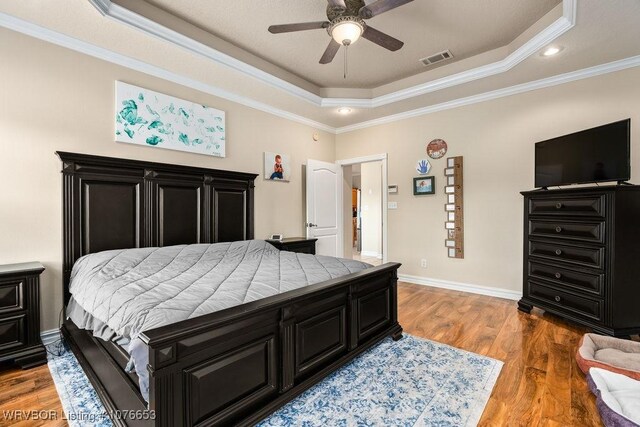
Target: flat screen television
x=590, y=156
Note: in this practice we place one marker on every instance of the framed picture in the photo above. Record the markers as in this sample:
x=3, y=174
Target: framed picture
x=451, y=198
x=277, y=167
x=424, y=185
x=152, y=119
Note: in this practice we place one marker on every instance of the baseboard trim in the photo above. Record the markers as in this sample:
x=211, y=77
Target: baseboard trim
x=371, y=254
x=462, y=287
x=50, y=336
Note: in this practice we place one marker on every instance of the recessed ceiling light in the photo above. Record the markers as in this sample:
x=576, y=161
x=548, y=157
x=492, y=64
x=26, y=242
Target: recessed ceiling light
x=552, y=50
x=344, y=110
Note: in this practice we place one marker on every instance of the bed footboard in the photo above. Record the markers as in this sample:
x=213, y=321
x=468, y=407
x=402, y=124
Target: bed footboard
x=238, y=365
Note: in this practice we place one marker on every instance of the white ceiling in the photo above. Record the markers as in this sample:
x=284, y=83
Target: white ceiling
x=604, y=31
x=465, y=27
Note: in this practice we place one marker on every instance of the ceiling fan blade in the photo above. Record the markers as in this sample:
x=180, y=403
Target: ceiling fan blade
x=337, y=4
x=382, y=39
x=380, y=6
x=330, y=53
x=301, y=26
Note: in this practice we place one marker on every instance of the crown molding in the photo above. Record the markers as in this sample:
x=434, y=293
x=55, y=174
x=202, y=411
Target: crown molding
x=125, y=16
x=556, y=29
x=585, y=73
x=36, y=31
x=535, y=44
x=33, y=30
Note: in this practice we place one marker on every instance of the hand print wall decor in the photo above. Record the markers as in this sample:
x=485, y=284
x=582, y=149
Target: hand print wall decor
x=423, y=167
x=149, y=118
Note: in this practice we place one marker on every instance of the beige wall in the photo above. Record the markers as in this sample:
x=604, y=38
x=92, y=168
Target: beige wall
x=56, y=99
x=497, y=140
x=371, y=184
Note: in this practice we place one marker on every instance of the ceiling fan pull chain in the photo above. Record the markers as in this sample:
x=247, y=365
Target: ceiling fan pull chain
x=345, y=60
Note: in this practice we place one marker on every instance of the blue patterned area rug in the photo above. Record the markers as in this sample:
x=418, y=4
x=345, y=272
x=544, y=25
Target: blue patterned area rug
x=411, y=382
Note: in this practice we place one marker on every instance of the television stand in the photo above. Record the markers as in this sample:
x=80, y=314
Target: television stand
x=624, y=183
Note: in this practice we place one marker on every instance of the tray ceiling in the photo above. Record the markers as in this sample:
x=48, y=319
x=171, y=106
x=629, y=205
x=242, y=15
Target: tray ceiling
x=466, y=27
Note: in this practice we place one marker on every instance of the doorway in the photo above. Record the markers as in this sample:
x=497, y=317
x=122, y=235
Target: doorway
x=364, y=213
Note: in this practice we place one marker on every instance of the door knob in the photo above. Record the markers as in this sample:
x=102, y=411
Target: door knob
x=311, y=225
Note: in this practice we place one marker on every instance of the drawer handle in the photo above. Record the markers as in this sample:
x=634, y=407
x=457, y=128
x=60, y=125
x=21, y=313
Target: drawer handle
x=558, y=205
x=558, y=229
x=557, y=298
x=558, y=275
x=558, y=251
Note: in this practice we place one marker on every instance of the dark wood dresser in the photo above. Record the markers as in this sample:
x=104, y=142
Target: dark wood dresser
x=296, y=244
x=582, y=256
x=20, y=314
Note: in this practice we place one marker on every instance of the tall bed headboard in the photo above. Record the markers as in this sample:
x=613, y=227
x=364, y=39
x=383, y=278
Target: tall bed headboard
x=111, y=203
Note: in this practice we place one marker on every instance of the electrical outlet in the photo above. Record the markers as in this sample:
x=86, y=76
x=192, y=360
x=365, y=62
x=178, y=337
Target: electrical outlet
x=423, y=263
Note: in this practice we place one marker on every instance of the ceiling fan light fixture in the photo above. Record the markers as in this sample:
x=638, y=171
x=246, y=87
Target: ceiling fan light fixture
x=346, y=30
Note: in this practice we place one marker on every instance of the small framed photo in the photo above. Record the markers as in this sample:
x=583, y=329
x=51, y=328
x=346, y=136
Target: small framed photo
x=451, y=234
x=451, y=198
x=451, y=162
x=451, y=180
x=449, y=171
x=450, y=225
x=449, y=189
x=450, y=207
x=277, y=167
x=450, y=243
x=451, y=216
x=393, y=189
x=452, y=252
x=424, y=185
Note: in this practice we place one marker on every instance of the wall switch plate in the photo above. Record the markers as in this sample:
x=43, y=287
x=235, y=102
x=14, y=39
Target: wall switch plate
x=392, y=205
x=423, y=263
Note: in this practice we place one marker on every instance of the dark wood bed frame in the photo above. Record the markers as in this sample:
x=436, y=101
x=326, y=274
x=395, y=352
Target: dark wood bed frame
x=234, y=366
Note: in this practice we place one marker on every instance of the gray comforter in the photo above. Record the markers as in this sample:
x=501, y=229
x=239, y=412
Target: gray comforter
x=118, y=294
x=133, y=290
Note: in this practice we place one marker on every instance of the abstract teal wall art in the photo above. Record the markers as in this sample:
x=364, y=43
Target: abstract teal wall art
x=145, y=117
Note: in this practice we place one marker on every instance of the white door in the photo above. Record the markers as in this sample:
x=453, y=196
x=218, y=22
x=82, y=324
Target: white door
x=324, y=207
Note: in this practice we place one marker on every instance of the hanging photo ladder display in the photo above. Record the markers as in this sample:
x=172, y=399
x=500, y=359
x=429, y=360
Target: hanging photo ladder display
x=454, y=208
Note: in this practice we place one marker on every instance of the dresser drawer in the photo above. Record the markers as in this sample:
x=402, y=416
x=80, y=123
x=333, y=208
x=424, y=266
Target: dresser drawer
x=11, y=296
x=566, y=302
x=590, y=257
x=573, y=230
x=579, y=206
x=12, y=332
x=585, y=282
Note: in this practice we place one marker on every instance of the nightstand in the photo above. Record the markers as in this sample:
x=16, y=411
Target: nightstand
x=20, y=314
x=296, y=244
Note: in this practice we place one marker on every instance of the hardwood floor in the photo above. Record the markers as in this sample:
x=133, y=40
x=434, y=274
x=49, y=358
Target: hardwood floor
x=540, y=383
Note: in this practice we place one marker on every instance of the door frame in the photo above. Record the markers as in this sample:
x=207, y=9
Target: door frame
x=385, y=194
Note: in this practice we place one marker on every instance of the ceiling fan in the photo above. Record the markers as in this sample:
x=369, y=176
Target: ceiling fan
x=346, y=25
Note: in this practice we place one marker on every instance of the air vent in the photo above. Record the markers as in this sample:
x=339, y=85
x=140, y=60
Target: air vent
x=438, y=57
